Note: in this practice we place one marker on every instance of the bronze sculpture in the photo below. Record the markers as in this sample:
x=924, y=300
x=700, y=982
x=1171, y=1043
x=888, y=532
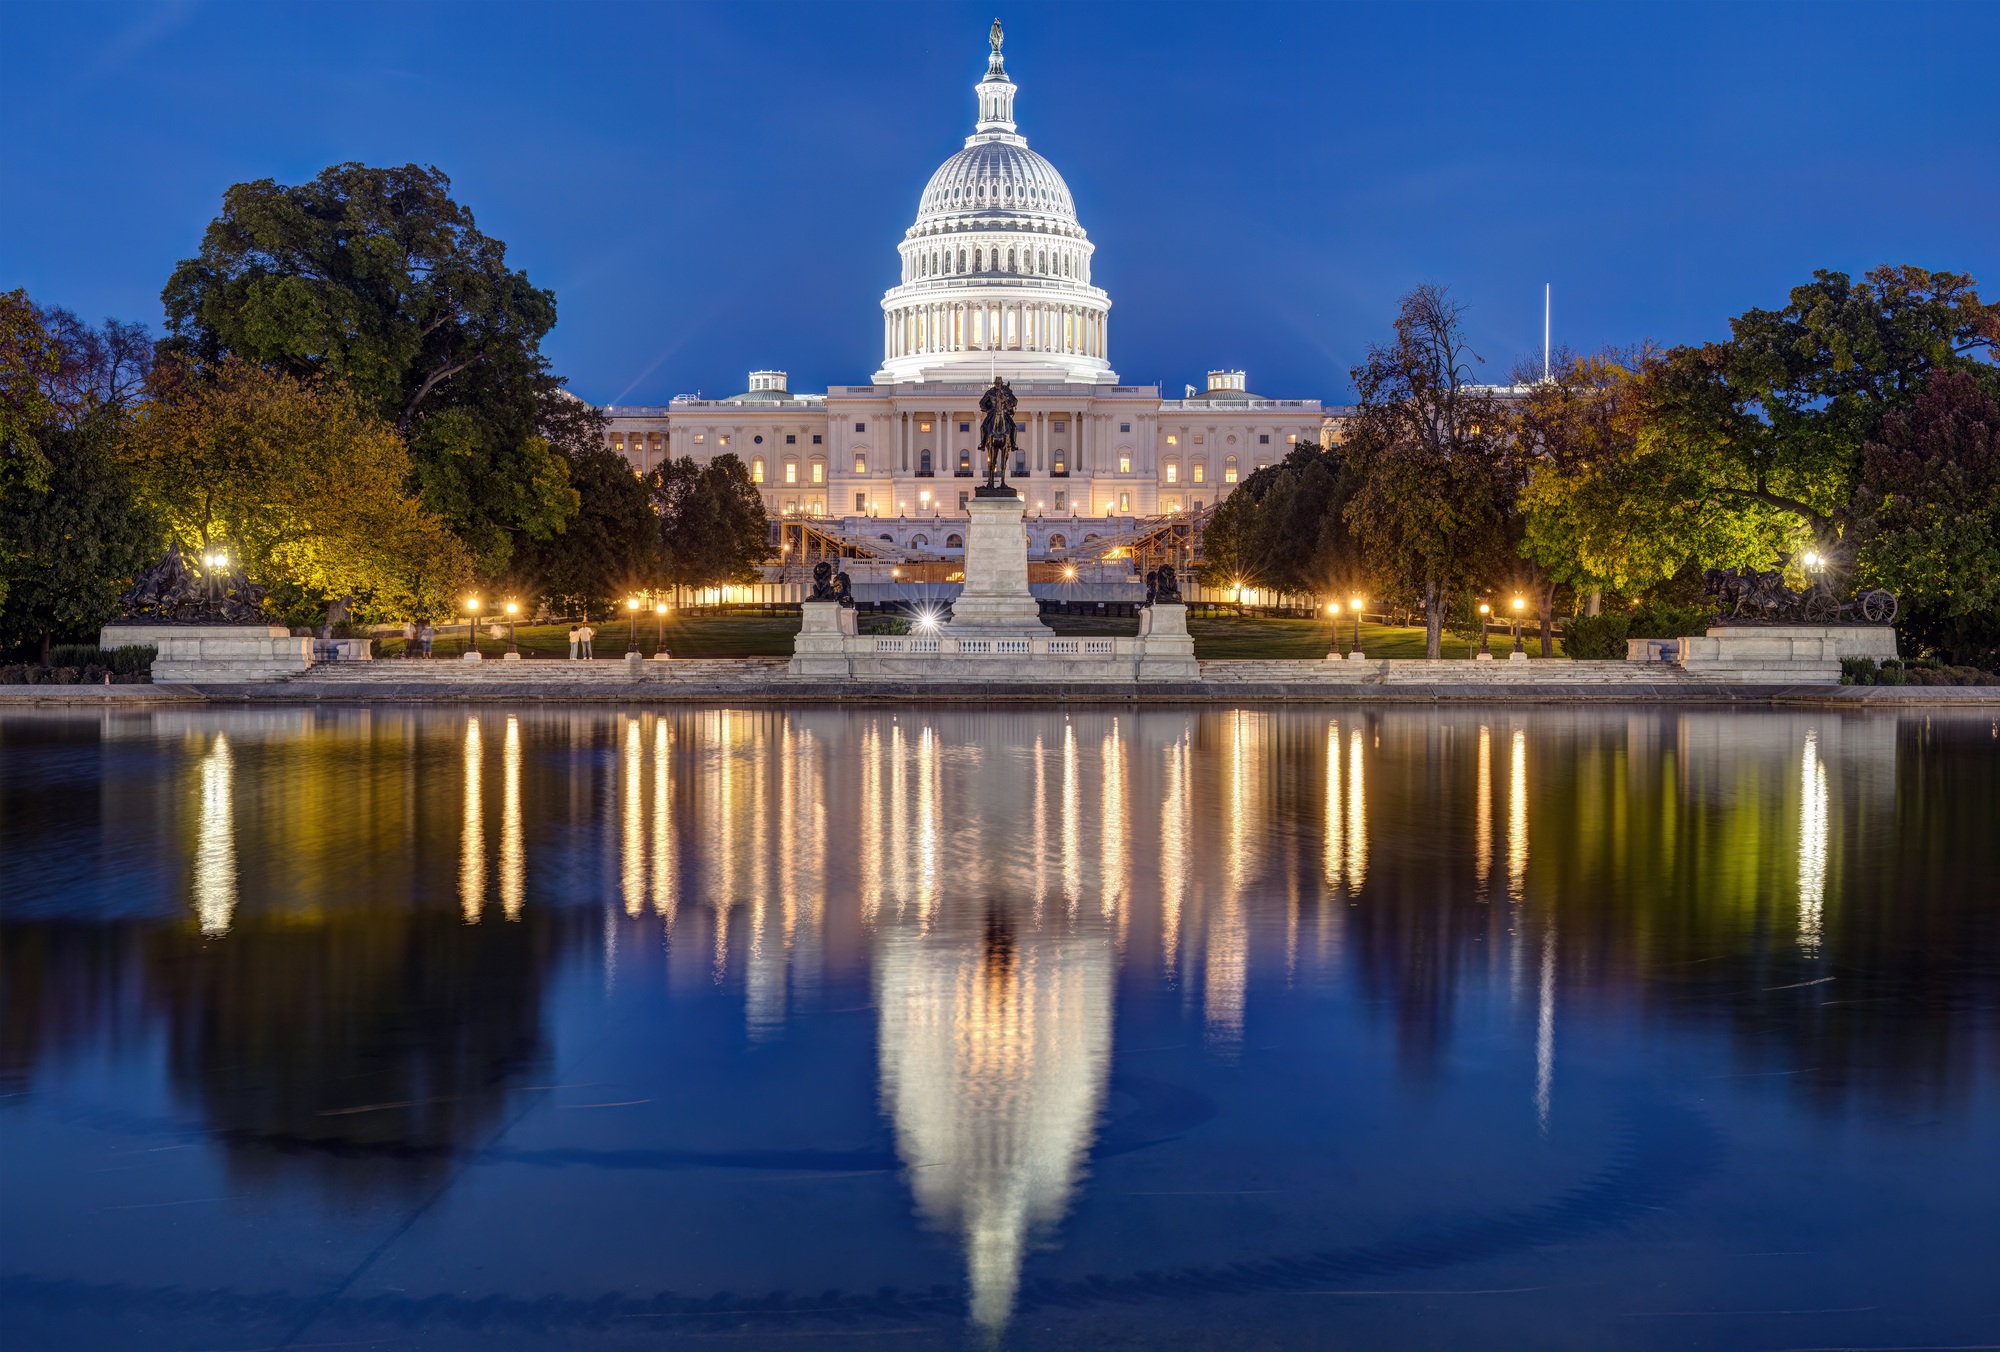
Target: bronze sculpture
x=831, y=586
x=996, y=437
x=171, y=591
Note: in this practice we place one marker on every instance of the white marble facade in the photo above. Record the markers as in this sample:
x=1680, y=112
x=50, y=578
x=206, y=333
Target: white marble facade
x=995, y=278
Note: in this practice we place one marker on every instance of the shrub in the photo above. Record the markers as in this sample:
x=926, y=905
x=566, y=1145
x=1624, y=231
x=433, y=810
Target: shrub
x=1597, y=638
x=136, y=660
x=1891, y=672
x=1857, y=671
x=1656, y=620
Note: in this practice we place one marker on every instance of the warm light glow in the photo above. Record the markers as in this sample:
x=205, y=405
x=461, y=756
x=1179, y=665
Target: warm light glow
x=1069, y=574
x=1519, y=604
x=472, y=603
x=632, y=604
x=1333, y=607
x=927, y=620
x=1355, y=602
x=1485, y=609
x=512, y=608
x=660, y=609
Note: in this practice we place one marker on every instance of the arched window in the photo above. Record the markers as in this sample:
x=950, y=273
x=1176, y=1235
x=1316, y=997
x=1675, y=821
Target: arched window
x=756, y=469
x=791, y=471
x=1010, y=261
x=1200, y=472
x=1173, y=472
x=924, y=462
x=1229, y=469
x=1057, y=542
x=1088, y=538
x=953, y=542
x=961, y=260
x=919, y=541
x=979, y=260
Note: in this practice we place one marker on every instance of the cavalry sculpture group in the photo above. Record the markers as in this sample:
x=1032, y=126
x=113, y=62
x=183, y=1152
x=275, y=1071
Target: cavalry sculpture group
x=1750, y=593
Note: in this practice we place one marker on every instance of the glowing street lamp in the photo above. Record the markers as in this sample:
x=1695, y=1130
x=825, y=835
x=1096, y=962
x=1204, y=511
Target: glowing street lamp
x=1519, y=606
x=1485, y=615
x=659, y=629
x=631, y=625
x=471, y=625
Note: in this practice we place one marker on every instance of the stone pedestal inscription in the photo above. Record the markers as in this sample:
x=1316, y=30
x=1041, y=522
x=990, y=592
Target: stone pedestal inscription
x=996, y=602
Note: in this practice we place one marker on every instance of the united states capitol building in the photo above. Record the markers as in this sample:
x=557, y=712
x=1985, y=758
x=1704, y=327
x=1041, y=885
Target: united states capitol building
x=996, y=279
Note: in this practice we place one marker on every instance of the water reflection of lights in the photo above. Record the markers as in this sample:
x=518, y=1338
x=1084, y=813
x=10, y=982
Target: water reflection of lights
x=1517, y=817
x=472, y=832
x=663, y=837
x=215, y=842
x=1545, y=1032
x=1812, y=844
x=1482, y=822
x=994, y=1047
x=513, y=859
x=631, y=854
x=1112, y=879
x=1174, y=827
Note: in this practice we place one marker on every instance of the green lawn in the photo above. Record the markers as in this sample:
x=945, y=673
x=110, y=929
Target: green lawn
x=725, y=635
x=1253, y=636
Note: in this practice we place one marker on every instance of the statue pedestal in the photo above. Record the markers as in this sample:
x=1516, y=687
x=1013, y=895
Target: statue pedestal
x=219, y=654
x=996, y=602
x=821, y=649
x=1167, y=652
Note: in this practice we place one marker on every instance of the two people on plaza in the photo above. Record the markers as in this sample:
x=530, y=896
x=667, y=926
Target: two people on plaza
x=579, y=642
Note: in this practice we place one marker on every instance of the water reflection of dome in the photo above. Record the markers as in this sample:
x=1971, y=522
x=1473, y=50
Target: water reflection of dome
x=995, y=1046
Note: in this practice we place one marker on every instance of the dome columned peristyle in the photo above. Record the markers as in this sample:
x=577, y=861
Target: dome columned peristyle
x=996, y=270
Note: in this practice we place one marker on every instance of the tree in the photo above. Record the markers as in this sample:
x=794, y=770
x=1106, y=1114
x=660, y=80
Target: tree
x=1284, y=527
x=1774, y=420
x=713, y=528
x=1429, y=449
x=75, y=543
x=299, y=479
x=27, y=361
x=376, y=277
x=1930, y=503
x=610, y=548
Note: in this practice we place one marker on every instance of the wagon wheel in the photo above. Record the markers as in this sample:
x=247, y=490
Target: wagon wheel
x=1879, y=607
x=1821, y=608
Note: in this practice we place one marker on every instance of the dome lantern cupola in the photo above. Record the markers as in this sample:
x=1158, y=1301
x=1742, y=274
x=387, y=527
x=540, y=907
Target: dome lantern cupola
x=996, y=92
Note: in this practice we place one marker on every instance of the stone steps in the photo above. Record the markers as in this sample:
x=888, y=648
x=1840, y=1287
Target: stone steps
x=1546, y=671
x=691, y=670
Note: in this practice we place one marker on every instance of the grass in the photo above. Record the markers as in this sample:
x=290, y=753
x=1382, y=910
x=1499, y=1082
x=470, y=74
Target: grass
x=1219, y=637
x=726, y=635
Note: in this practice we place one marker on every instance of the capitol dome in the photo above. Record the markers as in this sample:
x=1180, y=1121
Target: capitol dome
x=996, y=269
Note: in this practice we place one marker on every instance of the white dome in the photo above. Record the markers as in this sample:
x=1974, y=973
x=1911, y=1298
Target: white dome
x=996, y=268
x=995, y=178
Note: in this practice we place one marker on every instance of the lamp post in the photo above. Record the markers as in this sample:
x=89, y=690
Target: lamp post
x=660, y=629
x=1519, y=606
x=1485, y=613
x=1354, y=602
x=471, y=626
x=513, y=646
x=632, y=626
x=1333, y=609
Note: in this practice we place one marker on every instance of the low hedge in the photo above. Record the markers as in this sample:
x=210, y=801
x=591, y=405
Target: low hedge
x=85, y=664
x=1922, y=671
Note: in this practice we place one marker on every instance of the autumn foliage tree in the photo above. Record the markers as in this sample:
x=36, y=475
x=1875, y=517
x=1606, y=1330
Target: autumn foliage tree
x=299, y=478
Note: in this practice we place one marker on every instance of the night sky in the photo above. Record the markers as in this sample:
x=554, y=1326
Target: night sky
x=712, y=189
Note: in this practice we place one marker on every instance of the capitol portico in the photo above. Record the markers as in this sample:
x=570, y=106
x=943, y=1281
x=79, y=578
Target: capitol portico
x=995, y=279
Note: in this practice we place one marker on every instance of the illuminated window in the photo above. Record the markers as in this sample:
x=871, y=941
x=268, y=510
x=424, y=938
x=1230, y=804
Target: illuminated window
x=1291, y=438
x=1173, y=440
x=1200, y=472
x=791, y=471
x=924, y=502
x=697, y=438
x=1124, y=464
x=819, y=471
x=1124, y=502
x=1229, y=470
x=724, y=438
x=860, y=463
x=1173, y=473
x=1062, y=500
x=923, y=427
x=757, y=469
x=953, y=542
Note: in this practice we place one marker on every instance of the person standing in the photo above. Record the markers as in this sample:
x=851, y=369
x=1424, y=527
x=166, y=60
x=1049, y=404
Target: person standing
x=409, y=639
x=426, y=636
x=572, y=643
x=584, y=635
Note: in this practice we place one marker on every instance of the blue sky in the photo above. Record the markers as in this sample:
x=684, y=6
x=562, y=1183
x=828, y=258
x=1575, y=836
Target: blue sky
x=712, y=189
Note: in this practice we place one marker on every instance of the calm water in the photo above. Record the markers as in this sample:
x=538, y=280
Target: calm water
x=566, y=1029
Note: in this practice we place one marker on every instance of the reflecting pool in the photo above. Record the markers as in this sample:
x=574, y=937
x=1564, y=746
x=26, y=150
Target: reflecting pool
x=1387, y=1027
